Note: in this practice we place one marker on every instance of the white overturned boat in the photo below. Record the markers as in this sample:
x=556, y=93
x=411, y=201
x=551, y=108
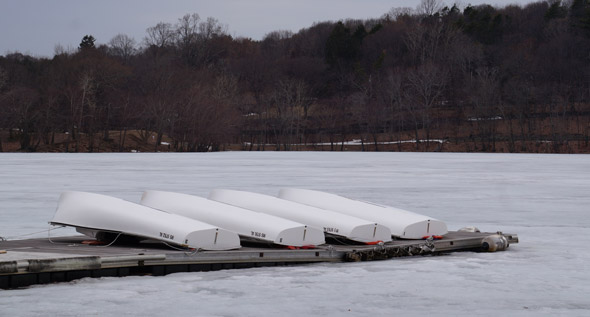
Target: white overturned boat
x=403, y=224
x=249, y=224
x=92, y=214
x=332, y=223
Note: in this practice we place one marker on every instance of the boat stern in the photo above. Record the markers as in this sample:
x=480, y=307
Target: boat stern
x=370, y=233
x=300, y=236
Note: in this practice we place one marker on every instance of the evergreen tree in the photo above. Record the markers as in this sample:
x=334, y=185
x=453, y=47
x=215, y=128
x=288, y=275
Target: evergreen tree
x=87, y=42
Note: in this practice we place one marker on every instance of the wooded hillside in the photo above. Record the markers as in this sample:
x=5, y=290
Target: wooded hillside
x=479, y=78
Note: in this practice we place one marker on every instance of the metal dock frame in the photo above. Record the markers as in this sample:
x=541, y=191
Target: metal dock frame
x=40, y=261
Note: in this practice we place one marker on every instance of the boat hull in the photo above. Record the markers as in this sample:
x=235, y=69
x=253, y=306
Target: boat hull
x=402, y=223
x=91, y=213
x=332, y=223
x=247, y=223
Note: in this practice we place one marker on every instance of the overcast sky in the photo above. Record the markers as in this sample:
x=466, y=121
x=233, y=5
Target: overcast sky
x=35, y=27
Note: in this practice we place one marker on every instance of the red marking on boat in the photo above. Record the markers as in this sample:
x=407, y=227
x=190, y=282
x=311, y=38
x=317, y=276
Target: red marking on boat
x=304, y=247
x=93, y=242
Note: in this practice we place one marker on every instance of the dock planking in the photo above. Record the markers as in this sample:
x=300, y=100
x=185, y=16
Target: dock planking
x=62, y=259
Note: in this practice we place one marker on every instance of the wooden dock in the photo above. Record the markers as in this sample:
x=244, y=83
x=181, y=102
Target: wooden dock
x=41, y=261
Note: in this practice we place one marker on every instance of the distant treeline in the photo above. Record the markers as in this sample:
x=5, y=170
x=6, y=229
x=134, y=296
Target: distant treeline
x=479, y=75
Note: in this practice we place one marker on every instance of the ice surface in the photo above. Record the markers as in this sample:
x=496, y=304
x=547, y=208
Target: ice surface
x=543, y=198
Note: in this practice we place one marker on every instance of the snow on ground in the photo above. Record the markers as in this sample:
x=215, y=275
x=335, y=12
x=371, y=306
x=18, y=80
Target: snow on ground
x=360, y=142
x=542, y=198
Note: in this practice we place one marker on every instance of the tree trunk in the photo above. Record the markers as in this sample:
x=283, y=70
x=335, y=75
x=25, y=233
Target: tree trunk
x=331, y=143
x=90, y=141
x=511, y=136
x=416, y=134
x=158, y=140
x=122, y=135
x=376, y=143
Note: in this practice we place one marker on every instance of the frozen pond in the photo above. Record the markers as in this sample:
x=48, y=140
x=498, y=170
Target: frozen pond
x=543, y=198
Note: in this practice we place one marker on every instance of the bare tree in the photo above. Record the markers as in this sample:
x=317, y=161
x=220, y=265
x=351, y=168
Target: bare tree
x=193, y=37
x=429, y=7
x=21, y=111
x=208, y=117
x=161, y=103
x=485, y=96
x=123, y=46
x=161, y=35
x=290, y=99
x=328, y=116
x=3, y=83
x=209, y=31
x=3, y=79
x=427, y=41
x=211, y=28
x=395, y=13
x=391, y=95
x=274, y=45
x=187, y=31
x=426, y=85
x=88, y=89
